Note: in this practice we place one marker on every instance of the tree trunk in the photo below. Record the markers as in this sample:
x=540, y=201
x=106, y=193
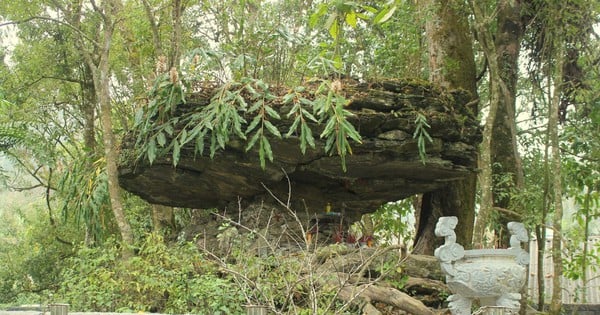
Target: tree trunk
x=499, y=153
x=541, y=226
x=586, y=234
x=540, y=233
x=110, y=149
x=162, y=218
x=452, y=65
x=154, y=28
x=175, y=55
x=451, y=59
x=556, y=302
x=101, y=78
x=88, y=108
x=506, y=161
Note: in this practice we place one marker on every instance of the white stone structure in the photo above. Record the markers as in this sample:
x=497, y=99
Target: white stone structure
x=492, y=276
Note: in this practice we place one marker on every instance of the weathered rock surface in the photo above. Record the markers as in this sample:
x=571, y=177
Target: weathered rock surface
x=385, y=167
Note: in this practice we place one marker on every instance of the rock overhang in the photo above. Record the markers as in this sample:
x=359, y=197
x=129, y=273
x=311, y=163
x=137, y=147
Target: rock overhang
x=385, y=167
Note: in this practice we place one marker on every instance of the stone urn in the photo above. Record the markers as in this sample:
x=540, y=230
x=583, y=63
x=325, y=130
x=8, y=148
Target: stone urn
x=494, y=277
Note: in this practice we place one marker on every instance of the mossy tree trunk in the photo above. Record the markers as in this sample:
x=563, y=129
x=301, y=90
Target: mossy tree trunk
x=452, y=65
x=88, y=108
x=505, y=164
x=506, y=160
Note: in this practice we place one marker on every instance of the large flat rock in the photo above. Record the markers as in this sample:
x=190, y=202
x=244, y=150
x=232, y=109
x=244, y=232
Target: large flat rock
x=385, y=167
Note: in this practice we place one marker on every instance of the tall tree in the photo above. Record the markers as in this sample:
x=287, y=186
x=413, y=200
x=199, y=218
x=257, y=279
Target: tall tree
x=556, y=302
x=53, y=89
x=99, y=63
x=451, y=65
x=501, y=165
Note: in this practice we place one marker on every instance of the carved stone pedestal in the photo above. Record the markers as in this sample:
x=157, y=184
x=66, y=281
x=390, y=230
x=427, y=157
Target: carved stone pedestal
x=494, y=277
x=496, y=310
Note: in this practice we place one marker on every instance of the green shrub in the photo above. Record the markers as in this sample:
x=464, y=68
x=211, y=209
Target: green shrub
x=160, y=278
x=30, y=254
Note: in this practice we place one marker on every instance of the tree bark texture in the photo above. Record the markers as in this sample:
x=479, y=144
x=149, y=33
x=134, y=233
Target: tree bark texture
x=556, y=302
x=351, y=269
x=154, y=28
x=386, y=295
x=506, y=161
x=175, y=54
x=162, y=218
x=101, y=75
x=452, y=65
x=451, y=59
x=88, y=107
x=499, y=153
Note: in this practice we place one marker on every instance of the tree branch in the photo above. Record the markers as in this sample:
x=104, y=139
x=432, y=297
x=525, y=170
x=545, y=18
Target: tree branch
x=21, y=189
x=52, y=222
x=45, y=18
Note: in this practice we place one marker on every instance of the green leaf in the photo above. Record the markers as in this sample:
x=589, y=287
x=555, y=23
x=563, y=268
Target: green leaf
x=252, y=90
x=426, y=134
x=272, y=129
x=308, y=115
x=168, y=129
x=294, y=110
x=256, y=106
x=351, y=18
x=329, y=127
x=338, y=62
x=176, y=152
x=267, y=147
x=362, y=16
x=306, y=137
x=351, y=131
x=329, y=144
x=194, y=132
x=139, y=116
x=421, y=135
x=183, y=136
x=314, y=18
x=162, y=140
x=293, y=127
x=286, y=99
x=253, y=124
x=221, y=138
x=272, y=112
x=213, y=144
x=261, y=84
x=306, y=101
x=200, y=142
x=261, y=153
x=369, y=8
x=384, y=15
x=241, y=101
x=252, y=141
x=332, y=26
x=237, y=123
x=151, y=151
